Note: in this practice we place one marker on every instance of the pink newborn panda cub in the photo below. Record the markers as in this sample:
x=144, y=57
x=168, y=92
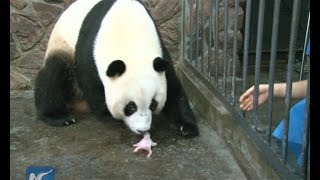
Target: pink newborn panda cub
x=145, y=144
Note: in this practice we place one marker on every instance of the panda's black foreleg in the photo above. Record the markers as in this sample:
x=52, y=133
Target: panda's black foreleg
x=53, y=88
x=94, y=95
x=92, y=88
x=177, y=107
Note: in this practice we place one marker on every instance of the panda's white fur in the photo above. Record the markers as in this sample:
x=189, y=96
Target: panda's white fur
x=65, y=33
x=125, y=31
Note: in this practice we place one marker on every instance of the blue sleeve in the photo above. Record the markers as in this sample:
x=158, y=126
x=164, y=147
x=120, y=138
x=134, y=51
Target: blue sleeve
x=308, y=48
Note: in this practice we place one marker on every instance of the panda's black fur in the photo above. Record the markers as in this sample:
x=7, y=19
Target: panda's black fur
x=87, y=72
x=59, y=81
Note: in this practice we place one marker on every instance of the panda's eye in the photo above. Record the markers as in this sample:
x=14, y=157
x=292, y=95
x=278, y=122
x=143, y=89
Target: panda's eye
x=130, y=108
x=153, y=105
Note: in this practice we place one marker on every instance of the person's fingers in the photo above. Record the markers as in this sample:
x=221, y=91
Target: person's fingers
x=243, y=96
x=248, y=106
x=246, y=101
x=246, y=94
x=243, y=105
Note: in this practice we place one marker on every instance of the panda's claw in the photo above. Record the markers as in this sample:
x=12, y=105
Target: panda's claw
x=188, y=130
x=58, y=122
x=72, y=121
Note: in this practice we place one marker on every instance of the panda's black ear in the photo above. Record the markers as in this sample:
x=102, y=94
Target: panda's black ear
x=116, y=68
x=160, y=64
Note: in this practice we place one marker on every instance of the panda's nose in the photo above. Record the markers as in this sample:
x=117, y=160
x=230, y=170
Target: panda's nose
x=142, y=132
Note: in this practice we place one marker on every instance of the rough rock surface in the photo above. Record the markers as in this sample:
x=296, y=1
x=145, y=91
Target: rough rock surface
x=31, y=23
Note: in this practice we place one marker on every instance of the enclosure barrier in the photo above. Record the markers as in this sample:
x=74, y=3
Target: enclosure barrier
x=201, y=51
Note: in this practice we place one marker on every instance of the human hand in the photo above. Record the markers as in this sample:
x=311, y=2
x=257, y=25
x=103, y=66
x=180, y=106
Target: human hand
x=246, y=99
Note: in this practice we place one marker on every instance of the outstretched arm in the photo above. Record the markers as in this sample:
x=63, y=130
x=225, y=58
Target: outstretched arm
x=299, y=89
x=246, y=100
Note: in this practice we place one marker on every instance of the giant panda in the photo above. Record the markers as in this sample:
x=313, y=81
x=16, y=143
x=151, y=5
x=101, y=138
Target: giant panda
x=109, y=55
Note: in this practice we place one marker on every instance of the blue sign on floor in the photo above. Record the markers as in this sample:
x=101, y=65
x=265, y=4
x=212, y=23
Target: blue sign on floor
x=40, y=173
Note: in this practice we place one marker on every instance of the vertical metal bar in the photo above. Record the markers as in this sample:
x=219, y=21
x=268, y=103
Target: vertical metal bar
x=274, y=46
x=246, y=47
x=258, y=62
x=304, y=50
x=235, y=49
x=210, y=41
x=216, y=40
x=191, y=35
x=183, y=32
x=305, y=145
x=197, y=34
x=293, y=37
x=202, y=38
x=226, y=19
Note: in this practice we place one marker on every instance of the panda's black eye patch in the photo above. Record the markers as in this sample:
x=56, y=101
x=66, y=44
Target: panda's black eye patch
x=160, y=64
x=130, y=108
x=116, y=68
x=153, y=105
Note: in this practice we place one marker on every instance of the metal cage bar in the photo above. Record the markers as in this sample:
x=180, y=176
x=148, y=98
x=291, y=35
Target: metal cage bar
x=191, y=34
x=258, y=62
x=202, y=37
x=197, y=34
x=304, y=49
x=306, y=134
x=291, y=57
x=235, y=51
x=183, y=27
x=210, y=41
x=274, y=45
x=246, y=47
x=216, y=40
x=226, y=28
x=206, y=41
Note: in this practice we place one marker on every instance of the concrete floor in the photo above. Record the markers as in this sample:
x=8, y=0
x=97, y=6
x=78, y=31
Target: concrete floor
x=92, y=149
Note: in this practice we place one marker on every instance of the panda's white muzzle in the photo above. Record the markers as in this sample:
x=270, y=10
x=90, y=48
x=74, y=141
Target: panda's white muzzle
x=139, y=122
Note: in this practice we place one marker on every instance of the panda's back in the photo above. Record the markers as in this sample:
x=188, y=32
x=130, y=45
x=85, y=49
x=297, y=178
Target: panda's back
x=65, y=33
x=127, y=32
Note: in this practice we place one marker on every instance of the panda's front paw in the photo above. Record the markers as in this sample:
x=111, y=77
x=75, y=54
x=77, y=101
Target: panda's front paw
x=58, y=121
x=188, y=130
x=70, y=121
x=102, y=114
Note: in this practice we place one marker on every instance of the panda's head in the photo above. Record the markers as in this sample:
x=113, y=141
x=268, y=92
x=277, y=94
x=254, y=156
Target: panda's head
x=134, y=93
x=128, y=56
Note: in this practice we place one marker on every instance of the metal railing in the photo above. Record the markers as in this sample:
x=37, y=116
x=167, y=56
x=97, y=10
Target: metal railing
x=201, y=49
